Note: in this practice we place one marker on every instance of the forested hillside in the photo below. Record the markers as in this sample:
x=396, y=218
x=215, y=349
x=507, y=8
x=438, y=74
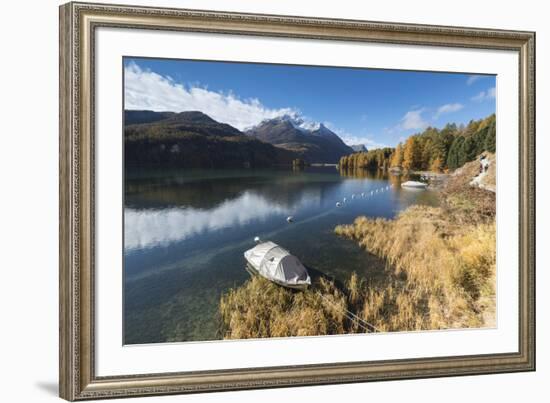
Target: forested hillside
x=193, y=140
x=433, y=149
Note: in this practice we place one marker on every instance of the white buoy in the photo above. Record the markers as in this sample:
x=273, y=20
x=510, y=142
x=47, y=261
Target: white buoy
x=363, y=194
x=344, y=200
x=290, y=218
x=338, y=204
x=257, y=239
x=353, y=196
x=371, y=192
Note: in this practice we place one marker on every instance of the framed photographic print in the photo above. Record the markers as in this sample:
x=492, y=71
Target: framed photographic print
x=254, y=201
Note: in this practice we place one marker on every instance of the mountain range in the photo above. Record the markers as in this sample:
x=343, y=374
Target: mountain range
x=312, y=142
x=192, y=139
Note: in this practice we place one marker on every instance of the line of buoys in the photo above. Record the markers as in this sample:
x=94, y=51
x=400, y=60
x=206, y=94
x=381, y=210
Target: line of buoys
x=290, y=219
x=363, y=194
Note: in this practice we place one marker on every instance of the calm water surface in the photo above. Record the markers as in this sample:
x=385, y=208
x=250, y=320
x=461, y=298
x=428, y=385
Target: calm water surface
x=186, y=232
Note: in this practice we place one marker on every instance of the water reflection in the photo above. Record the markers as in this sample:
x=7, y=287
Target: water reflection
x=395, y=178
x=145, y=228
x=162, y=210
x=208, y=189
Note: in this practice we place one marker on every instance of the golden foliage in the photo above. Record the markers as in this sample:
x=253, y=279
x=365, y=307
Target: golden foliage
x=411, y=153
x=397, y=156
x=437, y=165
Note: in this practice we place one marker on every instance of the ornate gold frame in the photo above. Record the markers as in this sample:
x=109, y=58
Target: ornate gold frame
x=78, y=21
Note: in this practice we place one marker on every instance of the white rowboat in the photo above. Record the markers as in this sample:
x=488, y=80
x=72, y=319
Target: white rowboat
x=414, y=184
x=276, y=264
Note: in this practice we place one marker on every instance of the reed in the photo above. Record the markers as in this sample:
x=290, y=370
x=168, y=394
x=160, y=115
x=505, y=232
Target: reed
x=441, y=274
x=260, y=308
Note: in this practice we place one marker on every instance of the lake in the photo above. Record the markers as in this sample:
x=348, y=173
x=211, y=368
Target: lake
x=185, y=233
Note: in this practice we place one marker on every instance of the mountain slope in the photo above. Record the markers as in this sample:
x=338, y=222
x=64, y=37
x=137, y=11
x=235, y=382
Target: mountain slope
x=193, y=140
x=315, y=143
x=359, y=148
x=177, y=124
x=144, y=116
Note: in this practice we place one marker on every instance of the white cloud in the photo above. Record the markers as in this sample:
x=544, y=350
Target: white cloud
x=352, y=140
x=447, y=108
x=413, y=120
x=485, y=95
x=472, y=79
x=145, y=89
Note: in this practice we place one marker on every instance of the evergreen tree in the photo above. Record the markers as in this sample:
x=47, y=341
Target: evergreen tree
x=452, y=158
x=490, y=143
x=467, y=151
x=479, y=140
x=472, y=127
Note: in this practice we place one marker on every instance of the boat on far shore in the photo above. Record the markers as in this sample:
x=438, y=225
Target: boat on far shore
x=414, y=185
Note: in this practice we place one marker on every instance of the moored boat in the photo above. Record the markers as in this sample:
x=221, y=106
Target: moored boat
x=414, y=184
x=276, y=264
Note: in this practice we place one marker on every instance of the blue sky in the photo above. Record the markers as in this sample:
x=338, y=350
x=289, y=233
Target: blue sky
x=374, y=107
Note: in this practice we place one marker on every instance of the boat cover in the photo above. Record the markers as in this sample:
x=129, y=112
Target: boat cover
x=276, y=263
x=414, y=184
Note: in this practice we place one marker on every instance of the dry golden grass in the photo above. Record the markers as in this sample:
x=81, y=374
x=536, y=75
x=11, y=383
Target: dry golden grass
x=442, y=274
x=467, y=204
x=262, y=309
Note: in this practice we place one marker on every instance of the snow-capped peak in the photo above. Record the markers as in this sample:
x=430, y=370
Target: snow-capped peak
x=296, y=121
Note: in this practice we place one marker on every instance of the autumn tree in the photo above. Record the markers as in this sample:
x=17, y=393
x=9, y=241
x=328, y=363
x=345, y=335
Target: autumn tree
x=397, y=156
x=437, y=165
x=411, y=154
